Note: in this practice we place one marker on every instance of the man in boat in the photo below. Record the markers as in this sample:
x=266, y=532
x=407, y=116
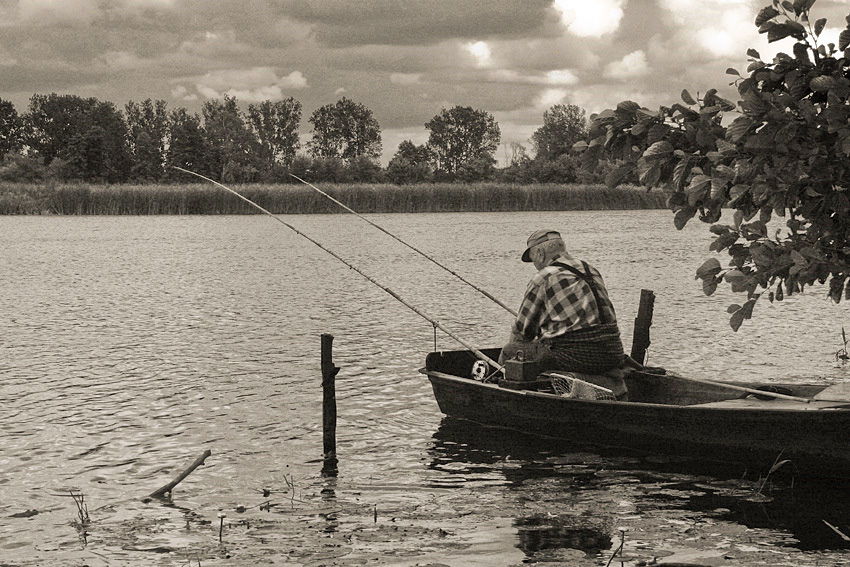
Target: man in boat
x=566, y=319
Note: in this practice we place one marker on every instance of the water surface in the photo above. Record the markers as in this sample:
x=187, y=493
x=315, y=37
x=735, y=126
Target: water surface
x=132, y=344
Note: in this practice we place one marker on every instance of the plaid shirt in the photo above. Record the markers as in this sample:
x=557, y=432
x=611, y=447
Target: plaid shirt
x=558, y=301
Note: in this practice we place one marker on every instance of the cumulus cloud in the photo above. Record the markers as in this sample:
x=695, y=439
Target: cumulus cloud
x=632, y=65
x=249, y=85
x=550, y=97
x=481, y=52
x=720, y=29
x=555, y=77
x=180, y=92
x=590, y=19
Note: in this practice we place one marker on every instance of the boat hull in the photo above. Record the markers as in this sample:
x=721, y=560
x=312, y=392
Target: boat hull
x=813, y=438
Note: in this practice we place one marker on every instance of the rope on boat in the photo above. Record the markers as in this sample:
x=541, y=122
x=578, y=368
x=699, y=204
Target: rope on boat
x=423, y=254
x=437, y=325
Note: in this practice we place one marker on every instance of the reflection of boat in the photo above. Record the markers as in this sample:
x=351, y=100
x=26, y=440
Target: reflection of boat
x=578, y=482
x=664, y=414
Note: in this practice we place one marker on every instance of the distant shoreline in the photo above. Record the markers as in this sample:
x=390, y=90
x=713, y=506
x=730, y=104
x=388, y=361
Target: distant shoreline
x=207, y=199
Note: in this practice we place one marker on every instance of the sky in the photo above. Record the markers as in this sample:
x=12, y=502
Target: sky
x=405, y=60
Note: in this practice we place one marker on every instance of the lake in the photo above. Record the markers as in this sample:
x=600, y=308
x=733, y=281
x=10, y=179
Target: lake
x=132, y=344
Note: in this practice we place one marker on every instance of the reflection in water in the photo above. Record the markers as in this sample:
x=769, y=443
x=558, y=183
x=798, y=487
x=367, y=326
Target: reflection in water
x=544, y=532
x=574, y=496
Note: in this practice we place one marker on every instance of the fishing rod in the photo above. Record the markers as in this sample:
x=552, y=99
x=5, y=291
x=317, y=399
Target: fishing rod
x=385, y=231
x=413, y=308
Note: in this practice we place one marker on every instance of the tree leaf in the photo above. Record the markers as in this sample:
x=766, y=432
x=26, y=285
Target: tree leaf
x=801, y=52
x=822, y=83
x=616, y=176
x=709, y=285
x=682, y=217
x=762, y=255
x=659, y=148
x=698, y=188
x=738, y=128
x=766, y=14
x=718, y=187
x=843, y=39
x=736, y=319
x=733, y=275
x=747, y=309
x=779, y=32
x=819, y=25
x=680, y=172
x=687, y=98
x=799, y=259
x=752, y=52
x=709, y=269
x=731, y=71
x=648, y=172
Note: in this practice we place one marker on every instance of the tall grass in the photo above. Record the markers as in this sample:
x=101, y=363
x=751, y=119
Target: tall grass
x=206, y=199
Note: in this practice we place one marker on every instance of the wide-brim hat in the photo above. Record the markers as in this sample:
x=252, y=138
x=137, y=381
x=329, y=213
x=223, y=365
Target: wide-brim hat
x=539, y=237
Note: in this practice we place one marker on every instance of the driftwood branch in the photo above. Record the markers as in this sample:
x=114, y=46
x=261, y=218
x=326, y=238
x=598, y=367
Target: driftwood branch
x=167, y=488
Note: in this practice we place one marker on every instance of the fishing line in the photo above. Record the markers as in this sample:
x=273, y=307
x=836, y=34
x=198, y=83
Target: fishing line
x=388, y=233
x=416, y=310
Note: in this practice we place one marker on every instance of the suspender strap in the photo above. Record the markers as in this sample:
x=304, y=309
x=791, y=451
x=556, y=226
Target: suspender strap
x=588, y=279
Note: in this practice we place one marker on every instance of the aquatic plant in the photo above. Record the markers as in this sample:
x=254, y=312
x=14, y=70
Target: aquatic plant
x=201, y=199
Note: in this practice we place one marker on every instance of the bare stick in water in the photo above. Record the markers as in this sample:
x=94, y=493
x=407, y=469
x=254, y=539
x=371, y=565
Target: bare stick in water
x=423, y=254
x=416, y=310
x=167, y=488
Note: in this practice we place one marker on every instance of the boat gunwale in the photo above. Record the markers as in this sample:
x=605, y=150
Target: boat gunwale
x=801, y=407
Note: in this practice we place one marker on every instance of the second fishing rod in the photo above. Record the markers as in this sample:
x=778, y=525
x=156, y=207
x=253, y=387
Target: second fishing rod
x=418, y=251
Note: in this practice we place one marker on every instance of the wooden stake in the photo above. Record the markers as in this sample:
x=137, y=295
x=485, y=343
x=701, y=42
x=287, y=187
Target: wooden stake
x=640, y=337
x=167, y=488
x=329, y=372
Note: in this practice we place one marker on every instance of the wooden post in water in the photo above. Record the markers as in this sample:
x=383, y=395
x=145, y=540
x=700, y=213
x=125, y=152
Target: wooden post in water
x=329, y=372
x=640, y=337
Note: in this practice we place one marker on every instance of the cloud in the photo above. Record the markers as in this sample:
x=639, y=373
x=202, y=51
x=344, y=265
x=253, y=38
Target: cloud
x=390, y=22
x=121, y=60
x=481, y=52
x=182, y=93
x=150, y=3
x=405, y=78
x=555, y=77
x=249, y=85
x=632, y=65
x=586, y=18
x=550, y=97
x=722, y=29
x=6, y=58
x=46, y=12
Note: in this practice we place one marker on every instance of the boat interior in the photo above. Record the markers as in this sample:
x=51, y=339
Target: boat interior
x=654, y=385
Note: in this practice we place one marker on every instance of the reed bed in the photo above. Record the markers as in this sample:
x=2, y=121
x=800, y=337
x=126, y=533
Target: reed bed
x=206, y=199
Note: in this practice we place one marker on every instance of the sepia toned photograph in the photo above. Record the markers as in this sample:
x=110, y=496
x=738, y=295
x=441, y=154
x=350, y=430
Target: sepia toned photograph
x=447, y=283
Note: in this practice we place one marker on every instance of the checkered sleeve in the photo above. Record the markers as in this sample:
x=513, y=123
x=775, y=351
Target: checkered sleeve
x=531, y=309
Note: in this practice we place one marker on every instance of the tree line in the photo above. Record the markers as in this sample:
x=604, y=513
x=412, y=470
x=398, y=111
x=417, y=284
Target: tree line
x=71, y=138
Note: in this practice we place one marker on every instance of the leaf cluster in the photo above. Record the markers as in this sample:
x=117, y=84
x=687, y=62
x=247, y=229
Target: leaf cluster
x=786, y=154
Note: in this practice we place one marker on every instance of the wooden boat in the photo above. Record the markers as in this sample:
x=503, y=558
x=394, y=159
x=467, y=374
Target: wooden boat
x=665, y=414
